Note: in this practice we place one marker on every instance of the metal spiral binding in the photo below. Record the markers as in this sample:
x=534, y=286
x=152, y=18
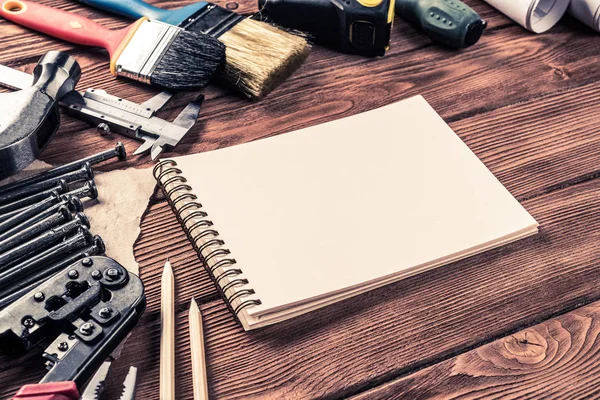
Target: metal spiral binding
x=196, y=213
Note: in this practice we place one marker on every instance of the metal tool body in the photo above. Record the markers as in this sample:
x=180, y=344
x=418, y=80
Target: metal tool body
x=30, y=116
x=85, y=311
x=133, y=120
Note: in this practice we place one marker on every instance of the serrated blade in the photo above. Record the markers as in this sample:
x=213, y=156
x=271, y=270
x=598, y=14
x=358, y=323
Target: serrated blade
x=129, y=385
x=96, y=384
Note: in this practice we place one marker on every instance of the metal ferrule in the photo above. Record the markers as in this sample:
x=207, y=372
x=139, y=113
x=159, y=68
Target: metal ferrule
x=145, y=50
x=212, y=20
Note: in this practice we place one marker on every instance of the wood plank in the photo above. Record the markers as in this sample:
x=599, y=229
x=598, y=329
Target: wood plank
x=555, y=359
x=534, y=148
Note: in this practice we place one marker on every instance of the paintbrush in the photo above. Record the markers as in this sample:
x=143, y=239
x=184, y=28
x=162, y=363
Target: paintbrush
x=147, y=51
x=259, y=56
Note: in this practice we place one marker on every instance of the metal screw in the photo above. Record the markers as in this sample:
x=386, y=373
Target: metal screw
x=86, y=329
x=28, y=322
x=73, y=274
x=87, y=262
x=63, y=346
x=104, y=129
x=112, y=273
x=39, y=296
x=96, y=274
x=105, y=312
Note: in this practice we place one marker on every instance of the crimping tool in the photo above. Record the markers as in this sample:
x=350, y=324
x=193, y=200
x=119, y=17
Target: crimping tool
x=86, y=310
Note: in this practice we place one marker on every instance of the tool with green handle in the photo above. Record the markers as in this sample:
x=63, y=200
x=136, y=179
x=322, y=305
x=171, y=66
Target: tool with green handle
x=449, y=22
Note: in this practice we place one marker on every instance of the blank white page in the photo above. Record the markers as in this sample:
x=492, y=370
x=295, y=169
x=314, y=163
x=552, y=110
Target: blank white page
x=351, y=201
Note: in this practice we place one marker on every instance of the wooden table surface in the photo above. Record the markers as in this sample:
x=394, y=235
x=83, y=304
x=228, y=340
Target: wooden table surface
x=521, y=321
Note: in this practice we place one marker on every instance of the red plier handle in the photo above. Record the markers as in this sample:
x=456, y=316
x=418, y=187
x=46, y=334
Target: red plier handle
x=48, y=391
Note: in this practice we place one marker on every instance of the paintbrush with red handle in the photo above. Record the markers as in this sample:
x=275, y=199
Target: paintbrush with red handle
x=147, y=51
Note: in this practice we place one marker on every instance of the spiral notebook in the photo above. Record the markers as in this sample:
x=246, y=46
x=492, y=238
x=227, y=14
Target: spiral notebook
x=291, y=223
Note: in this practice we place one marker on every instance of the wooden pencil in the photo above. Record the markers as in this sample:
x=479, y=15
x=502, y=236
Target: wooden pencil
x=167, y=336
x=198, y=354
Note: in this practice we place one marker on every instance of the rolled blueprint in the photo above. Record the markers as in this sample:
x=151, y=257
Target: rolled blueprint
x=536, y=15
x=587, y=11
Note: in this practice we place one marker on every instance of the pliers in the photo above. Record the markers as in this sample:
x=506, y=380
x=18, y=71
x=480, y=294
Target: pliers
x=68, y=390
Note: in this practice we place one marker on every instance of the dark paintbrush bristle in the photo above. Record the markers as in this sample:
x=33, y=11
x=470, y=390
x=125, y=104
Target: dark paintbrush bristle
x=191, y=61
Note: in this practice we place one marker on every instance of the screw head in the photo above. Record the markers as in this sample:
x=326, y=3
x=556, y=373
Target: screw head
x=96, y=274
x=105, y=312
x=113, y=273
x=104, y=129
x=29, y=322
x=86, y=329
x=73, y=274
x=87, y=262
x=39, y=296
x=63, y=346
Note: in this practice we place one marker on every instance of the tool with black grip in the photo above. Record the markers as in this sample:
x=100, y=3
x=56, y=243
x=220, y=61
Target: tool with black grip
x=352, y=26
x=30, y=116
x=449, y=22
x=85, y=312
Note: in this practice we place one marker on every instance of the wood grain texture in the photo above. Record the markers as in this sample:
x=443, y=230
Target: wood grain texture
x=555, y=359
x=352, y=346
x=525, y=104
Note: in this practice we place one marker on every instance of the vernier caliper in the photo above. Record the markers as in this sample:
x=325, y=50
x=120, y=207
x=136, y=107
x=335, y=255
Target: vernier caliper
x=118, y=115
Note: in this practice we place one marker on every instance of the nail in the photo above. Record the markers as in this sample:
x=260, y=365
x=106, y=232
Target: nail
x=74, y=204
x=60, y=188
x=81, y=174
x=88, y=190
x=40, y=261
x=59, y=217
x=21, y=216
x=118, y=152
x=46, y=239
x=29, y=282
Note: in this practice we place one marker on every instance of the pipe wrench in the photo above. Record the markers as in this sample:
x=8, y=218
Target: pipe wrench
x=115, y=114
x=84, y=312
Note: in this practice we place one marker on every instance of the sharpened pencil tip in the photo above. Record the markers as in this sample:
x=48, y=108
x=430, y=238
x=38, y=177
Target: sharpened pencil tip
x=168, y=268
x=193, y=305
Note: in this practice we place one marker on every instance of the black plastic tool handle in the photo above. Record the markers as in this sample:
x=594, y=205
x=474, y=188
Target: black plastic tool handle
x=352, y=26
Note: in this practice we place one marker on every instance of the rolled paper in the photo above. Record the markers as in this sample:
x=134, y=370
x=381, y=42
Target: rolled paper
x=536, y=15
x=586, y=11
